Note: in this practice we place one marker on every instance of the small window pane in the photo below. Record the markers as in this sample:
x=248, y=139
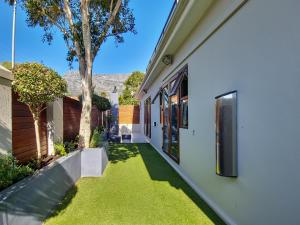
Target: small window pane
x=184, y=114
x=184, y=87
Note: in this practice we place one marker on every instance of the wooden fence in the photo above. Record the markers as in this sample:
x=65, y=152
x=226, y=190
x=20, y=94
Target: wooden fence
x=129, y=114
x=71, y=118
x=23, y=133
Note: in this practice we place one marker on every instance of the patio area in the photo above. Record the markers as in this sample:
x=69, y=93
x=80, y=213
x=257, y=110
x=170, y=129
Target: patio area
x=138, y=187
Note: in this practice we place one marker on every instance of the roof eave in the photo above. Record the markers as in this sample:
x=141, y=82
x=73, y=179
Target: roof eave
x=182, y=13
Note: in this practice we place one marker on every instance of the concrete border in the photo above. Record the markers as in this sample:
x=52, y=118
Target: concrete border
x=34, y=198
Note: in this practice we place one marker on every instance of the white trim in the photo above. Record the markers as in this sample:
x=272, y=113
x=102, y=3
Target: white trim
x=195, y=187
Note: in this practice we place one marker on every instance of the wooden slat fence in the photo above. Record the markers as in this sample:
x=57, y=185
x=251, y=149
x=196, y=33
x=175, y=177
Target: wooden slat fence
x=23, y=133
x=72, y=111
x=129, y=114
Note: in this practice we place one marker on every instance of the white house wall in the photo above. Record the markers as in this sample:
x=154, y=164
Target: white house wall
x=5, y=116
x=256, y=52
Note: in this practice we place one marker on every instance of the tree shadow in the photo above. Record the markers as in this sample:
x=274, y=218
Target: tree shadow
x=160, y=170
x=122, y=152
x=61, y=206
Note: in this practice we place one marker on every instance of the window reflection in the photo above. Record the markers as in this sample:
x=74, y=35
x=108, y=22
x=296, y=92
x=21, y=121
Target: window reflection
x=226, y=146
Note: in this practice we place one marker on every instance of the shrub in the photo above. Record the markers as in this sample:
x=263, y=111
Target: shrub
x=34, y=164
x=100, y=129
x=11, y=171
x=96, y=139
x=60, y=149
x=70, y=146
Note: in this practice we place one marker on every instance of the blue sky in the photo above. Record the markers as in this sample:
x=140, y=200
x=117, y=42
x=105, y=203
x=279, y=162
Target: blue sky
x=133, y=54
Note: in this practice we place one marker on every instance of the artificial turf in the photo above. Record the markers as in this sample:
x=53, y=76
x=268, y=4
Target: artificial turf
x=138, y=188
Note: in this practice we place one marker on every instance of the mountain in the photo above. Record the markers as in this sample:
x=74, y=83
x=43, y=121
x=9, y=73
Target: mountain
x=101, y=82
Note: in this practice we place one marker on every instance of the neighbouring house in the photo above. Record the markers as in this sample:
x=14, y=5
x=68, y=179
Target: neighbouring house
x=6, y=78
x=219, y=103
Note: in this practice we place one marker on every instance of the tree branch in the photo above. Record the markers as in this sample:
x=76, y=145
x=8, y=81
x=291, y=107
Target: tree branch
x=68, y=12
x=63, y=30
x=107, y=26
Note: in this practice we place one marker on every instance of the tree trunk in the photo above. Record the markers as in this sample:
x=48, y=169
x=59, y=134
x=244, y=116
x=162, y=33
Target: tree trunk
x=85, y=67
x=86, y=114
x=36, y=119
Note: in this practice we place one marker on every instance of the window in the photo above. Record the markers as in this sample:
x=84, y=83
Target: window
x=161, y=106
x=226, y=135
x=184, y=99
x=174, y=111
x=147, y=117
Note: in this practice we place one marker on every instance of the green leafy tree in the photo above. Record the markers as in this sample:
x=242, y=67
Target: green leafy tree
x=102, y=103
x=85, y=25
x=37, y=85
x=132, y=85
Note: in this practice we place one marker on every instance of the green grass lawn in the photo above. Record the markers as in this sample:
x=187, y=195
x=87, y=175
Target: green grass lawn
x=138, y=187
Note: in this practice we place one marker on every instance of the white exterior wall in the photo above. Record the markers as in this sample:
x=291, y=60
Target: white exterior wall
x=5, y=116
x=55, y=124
x=129, y=128
x=256, y=53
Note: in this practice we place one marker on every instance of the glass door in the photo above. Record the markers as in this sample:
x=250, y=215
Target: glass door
x=170, y=124
x=165, y=128
x=174, y=144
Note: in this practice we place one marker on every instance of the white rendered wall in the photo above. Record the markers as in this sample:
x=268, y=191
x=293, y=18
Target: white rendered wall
x=55, y=124
x=257, y=53
x=5, y=116
x=129, y=128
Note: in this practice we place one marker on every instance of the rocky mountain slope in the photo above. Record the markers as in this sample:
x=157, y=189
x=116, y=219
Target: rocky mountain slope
x=101, y=82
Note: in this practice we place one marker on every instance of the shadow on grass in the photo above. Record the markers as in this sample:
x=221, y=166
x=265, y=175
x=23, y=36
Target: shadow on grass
x=64, y=202
x=160, y=170
x=122, y=152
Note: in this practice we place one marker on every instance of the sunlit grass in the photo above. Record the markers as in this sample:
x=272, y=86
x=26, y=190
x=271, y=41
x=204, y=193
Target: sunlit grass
x=138, y=187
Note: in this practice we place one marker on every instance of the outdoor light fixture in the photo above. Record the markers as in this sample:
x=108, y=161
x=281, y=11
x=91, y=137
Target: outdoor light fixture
x=226, y=134
x=167, y=59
